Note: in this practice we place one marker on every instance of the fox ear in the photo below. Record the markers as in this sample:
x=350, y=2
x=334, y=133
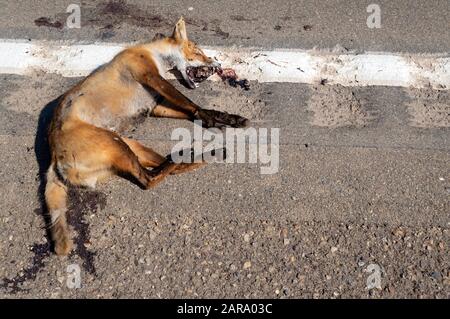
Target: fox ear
x=179, y=33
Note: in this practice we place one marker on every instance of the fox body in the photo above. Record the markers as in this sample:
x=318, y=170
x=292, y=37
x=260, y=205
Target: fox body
x=84, y=135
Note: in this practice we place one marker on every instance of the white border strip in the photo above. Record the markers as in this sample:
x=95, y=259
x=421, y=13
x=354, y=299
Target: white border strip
x=294, y=66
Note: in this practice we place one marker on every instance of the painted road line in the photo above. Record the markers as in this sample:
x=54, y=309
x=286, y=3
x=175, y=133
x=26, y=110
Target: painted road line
x=280, y=65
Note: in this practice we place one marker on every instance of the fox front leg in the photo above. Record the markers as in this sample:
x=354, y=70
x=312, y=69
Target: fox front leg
x=210, y=118
x=152, y=79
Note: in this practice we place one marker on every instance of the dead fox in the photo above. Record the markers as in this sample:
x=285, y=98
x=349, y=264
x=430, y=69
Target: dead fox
x=84, y=138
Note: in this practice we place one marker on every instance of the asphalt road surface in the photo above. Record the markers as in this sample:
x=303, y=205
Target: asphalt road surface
x=362, y=189
x=406, y=25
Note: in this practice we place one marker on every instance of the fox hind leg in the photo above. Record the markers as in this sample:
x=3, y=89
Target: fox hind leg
x=151, y=159
x=147, y=157
x=56, y=200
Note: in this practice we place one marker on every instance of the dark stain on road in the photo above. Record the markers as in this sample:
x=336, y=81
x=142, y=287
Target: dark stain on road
x=220, y=33
x=117, y=12
x=240, y=18
x=110, y=15
x=212, y=26
x=41, y=252
x=45, y=22
x=81, y=203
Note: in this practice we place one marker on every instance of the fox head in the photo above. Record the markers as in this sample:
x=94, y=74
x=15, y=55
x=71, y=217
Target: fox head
x=188, y=53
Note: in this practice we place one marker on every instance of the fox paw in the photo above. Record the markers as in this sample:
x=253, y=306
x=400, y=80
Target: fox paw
x=212, y=118
x=63, y=246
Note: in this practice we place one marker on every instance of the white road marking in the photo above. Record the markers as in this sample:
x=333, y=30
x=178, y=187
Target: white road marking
x=280, y=65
